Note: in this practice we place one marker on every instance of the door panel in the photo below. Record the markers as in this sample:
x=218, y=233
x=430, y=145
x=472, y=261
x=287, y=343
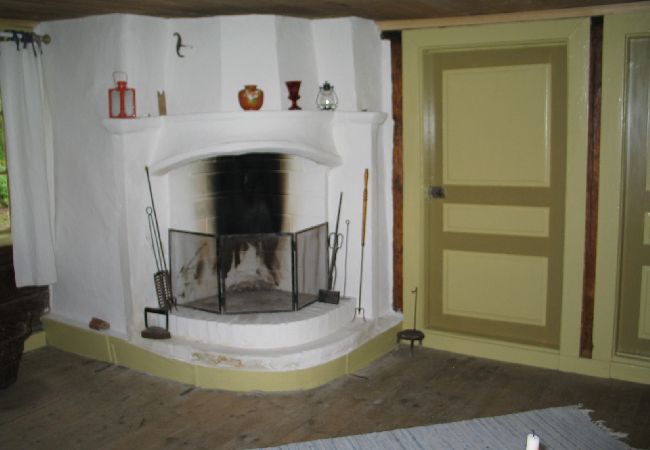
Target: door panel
x=495, y=219
x=507, y=109
x=634, y=300
x=509, y=288
x=495, y=139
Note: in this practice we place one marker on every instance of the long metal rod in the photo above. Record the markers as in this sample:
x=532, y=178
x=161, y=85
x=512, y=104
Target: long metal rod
x=415, y=306
x=154, y=244
x=347, y=239
x=155, y=216
x=335, y=243
x=359, y=309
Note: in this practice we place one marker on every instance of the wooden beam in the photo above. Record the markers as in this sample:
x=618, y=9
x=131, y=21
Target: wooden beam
x=19, y=25
x=551, y=14
x=395, y=38
x=593, y=163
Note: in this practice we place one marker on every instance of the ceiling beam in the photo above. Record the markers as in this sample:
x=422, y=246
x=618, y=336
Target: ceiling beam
x=566, y=13
x=19, y=25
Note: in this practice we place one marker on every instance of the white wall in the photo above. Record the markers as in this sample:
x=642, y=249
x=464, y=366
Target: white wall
x=78, y=66
x=193, y=81
x=334, y=58
x=297, y=60
x=94, y=241
x=249, y=56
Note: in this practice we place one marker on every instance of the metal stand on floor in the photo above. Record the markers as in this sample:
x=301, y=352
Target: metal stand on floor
x=412, y=334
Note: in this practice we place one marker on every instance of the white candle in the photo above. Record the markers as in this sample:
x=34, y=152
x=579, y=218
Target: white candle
x=532, y=442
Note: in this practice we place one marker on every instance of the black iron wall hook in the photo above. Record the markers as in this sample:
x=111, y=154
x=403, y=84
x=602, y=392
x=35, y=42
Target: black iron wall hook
x=179, y=45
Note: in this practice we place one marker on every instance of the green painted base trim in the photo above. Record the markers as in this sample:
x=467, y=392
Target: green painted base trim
x=84, y=342
x=626, y=369
x=104, y=347
x=373, y=349
x=585, y=366
x=491, y=349
x=35, y=341
x=629, y=369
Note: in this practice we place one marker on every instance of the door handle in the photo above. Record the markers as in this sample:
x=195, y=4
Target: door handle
x=435, y=192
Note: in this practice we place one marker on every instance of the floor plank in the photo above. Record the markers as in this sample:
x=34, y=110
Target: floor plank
x=63, y=400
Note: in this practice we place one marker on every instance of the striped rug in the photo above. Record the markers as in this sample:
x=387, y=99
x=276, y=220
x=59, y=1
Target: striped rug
x=558, y=428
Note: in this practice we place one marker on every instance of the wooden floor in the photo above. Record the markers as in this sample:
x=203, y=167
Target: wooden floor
x=63, y=401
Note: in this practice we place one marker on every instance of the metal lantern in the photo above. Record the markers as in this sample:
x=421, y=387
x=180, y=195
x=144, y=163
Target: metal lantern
x=326, y=98
x=121, y=98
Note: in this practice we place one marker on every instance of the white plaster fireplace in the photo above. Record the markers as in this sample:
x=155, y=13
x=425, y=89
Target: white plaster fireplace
x=99, y=168
x=343, y=143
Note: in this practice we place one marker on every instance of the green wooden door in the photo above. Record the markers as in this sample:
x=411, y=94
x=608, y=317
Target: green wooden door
x=492, y=105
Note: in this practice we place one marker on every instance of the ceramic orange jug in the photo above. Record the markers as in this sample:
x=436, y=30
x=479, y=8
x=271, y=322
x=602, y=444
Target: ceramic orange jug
x=251, y=98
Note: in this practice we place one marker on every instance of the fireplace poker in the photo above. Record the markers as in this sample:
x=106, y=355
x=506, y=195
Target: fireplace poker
x=359, y=310
x=155, y=216
x=162, y=278
x=334, y=241
x=155, y=245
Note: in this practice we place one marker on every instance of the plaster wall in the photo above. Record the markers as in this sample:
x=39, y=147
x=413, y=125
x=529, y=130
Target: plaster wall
x=383, y=161
x=78, y=65
x=144, y=60
x=249, y=56
x=335, y=59
x=193, y=81
x=367, y=58
x=99, y=247
x=297, y=60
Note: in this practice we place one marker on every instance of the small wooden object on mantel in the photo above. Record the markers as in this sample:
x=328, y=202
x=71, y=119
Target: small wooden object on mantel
x=412, y=334
x=162, y=103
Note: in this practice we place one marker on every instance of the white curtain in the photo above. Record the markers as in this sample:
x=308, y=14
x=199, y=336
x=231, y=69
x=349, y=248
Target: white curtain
x=28, y=138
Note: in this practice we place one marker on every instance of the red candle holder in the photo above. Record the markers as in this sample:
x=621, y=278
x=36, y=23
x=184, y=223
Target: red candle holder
x=121, y=98
x=294, y=87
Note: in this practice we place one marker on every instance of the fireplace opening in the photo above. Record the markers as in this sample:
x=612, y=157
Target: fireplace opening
x=248, y=191
x=249, y=194
x=250, y=263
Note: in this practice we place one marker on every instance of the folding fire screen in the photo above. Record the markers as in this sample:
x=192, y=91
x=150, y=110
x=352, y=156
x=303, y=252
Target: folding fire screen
x=193, y=269
x=249, y=273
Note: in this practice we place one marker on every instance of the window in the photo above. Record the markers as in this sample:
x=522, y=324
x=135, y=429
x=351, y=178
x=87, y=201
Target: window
x=5, y=219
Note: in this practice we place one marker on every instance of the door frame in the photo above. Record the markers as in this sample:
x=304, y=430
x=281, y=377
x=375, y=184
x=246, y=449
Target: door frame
x=610, y=210
x=574, y=34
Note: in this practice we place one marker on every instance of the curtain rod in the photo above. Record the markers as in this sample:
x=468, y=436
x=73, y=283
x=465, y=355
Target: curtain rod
x=24, y=37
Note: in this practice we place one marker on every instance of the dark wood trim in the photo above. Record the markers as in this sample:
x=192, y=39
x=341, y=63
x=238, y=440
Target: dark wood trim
x=18, y=301
x=395, y=38
x=593, y=162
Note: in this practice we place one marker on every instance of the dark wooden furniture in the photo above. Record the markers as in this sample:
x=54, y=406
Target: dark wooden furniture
x=33, y=299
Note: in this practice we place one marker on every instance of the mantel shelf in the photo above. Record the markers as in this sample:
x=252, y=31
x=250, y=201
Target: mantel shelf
x=127, y=126
x=180, y=139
